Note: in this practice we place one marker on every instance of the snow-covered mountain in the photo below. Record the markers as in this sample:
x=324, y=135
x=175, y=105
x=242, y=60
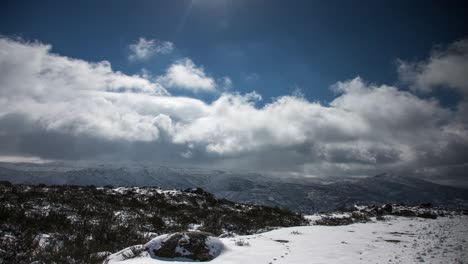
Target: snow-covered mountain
x=311, y=196
x=306, y=195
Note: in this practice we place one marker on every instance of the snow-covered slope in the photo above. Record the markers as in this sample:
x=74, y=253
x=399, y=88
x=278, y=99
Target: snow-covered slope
x=399, y=240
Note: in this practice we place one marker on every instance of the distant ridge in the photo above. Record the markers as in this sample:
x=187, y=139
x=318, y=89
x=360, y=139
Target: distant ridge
x=307, y=196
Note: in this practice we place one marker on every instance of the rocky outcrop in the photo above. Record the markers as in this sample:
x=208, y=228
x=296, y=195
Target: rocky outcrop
x=362, y=214
x=193, y=245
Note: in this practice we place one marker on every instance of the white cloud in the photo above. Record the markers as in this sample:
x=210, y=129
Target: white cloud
x=368, y=115
x=445, y=68
x=225, y=83
x=187, y=154
x=366, y=128
x=184, y=74
x=251, y=77
x=60, y=93
x=144, y=49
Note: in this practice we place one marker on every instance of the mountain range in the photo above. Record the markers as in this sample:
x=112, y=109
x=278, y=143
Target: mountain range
x=305, y=195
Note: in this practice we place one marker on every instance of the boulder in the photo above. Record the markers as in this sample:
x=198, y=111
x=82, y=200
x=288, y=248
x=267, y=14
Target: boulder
x=387, y=208
x=427, y=214
x=195, y=245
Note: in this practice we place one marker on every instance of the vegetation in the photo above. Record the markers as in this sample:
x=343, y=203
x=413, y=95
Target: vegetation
x=76, y=224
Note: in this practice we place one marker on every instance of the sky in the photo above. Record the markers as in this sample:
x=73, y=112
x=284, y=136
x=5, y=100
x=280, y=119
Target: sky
x=307, y=88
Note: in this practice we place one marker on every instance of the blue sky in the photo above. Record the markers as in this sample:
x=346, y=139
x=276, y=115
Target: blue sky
x=288, y=87
x=268, y=46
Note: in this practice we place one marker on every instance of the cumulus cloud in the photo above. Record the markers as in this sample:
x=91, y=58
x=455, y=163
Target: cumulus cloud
x=53, y=106
x=144, y=49
x=445, y=68
x=184, y=74
x=366, y=124
x=30, y=68
x=69, y=95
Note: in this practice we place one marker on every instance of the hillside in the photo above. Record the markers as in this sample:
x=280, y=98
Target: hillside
x=55, y=223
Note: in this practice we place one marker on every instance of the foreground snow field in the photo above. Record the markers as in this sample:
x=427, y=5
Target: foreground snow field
x=397, y=240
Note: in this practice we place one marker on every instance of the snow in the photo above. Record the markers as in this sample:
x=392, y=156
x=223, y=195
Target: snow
x=42, y=240
x=120, y=256
x=156, y=242
x=398, y=240
x=313, y=218
x=182, y=251
x=194, y=227
x=215, y=245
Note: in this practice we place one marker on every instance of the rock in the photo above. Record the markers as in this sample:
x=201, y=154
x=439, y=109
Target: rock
x=427, y=214
x=387, y=208
x=281, y=240
x=199, y=191
x=425, y=205
x=405, y=212
x=193, y=245
x=334, y=221
x=361, y=217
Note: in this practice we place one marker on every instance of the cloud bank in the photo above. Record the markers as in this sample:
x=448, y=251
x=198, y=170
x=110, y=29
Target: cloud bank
x=55, y=107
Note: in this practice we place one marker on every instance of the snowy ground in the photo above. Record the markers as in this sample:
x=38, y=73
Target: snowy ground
x=398, y=240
